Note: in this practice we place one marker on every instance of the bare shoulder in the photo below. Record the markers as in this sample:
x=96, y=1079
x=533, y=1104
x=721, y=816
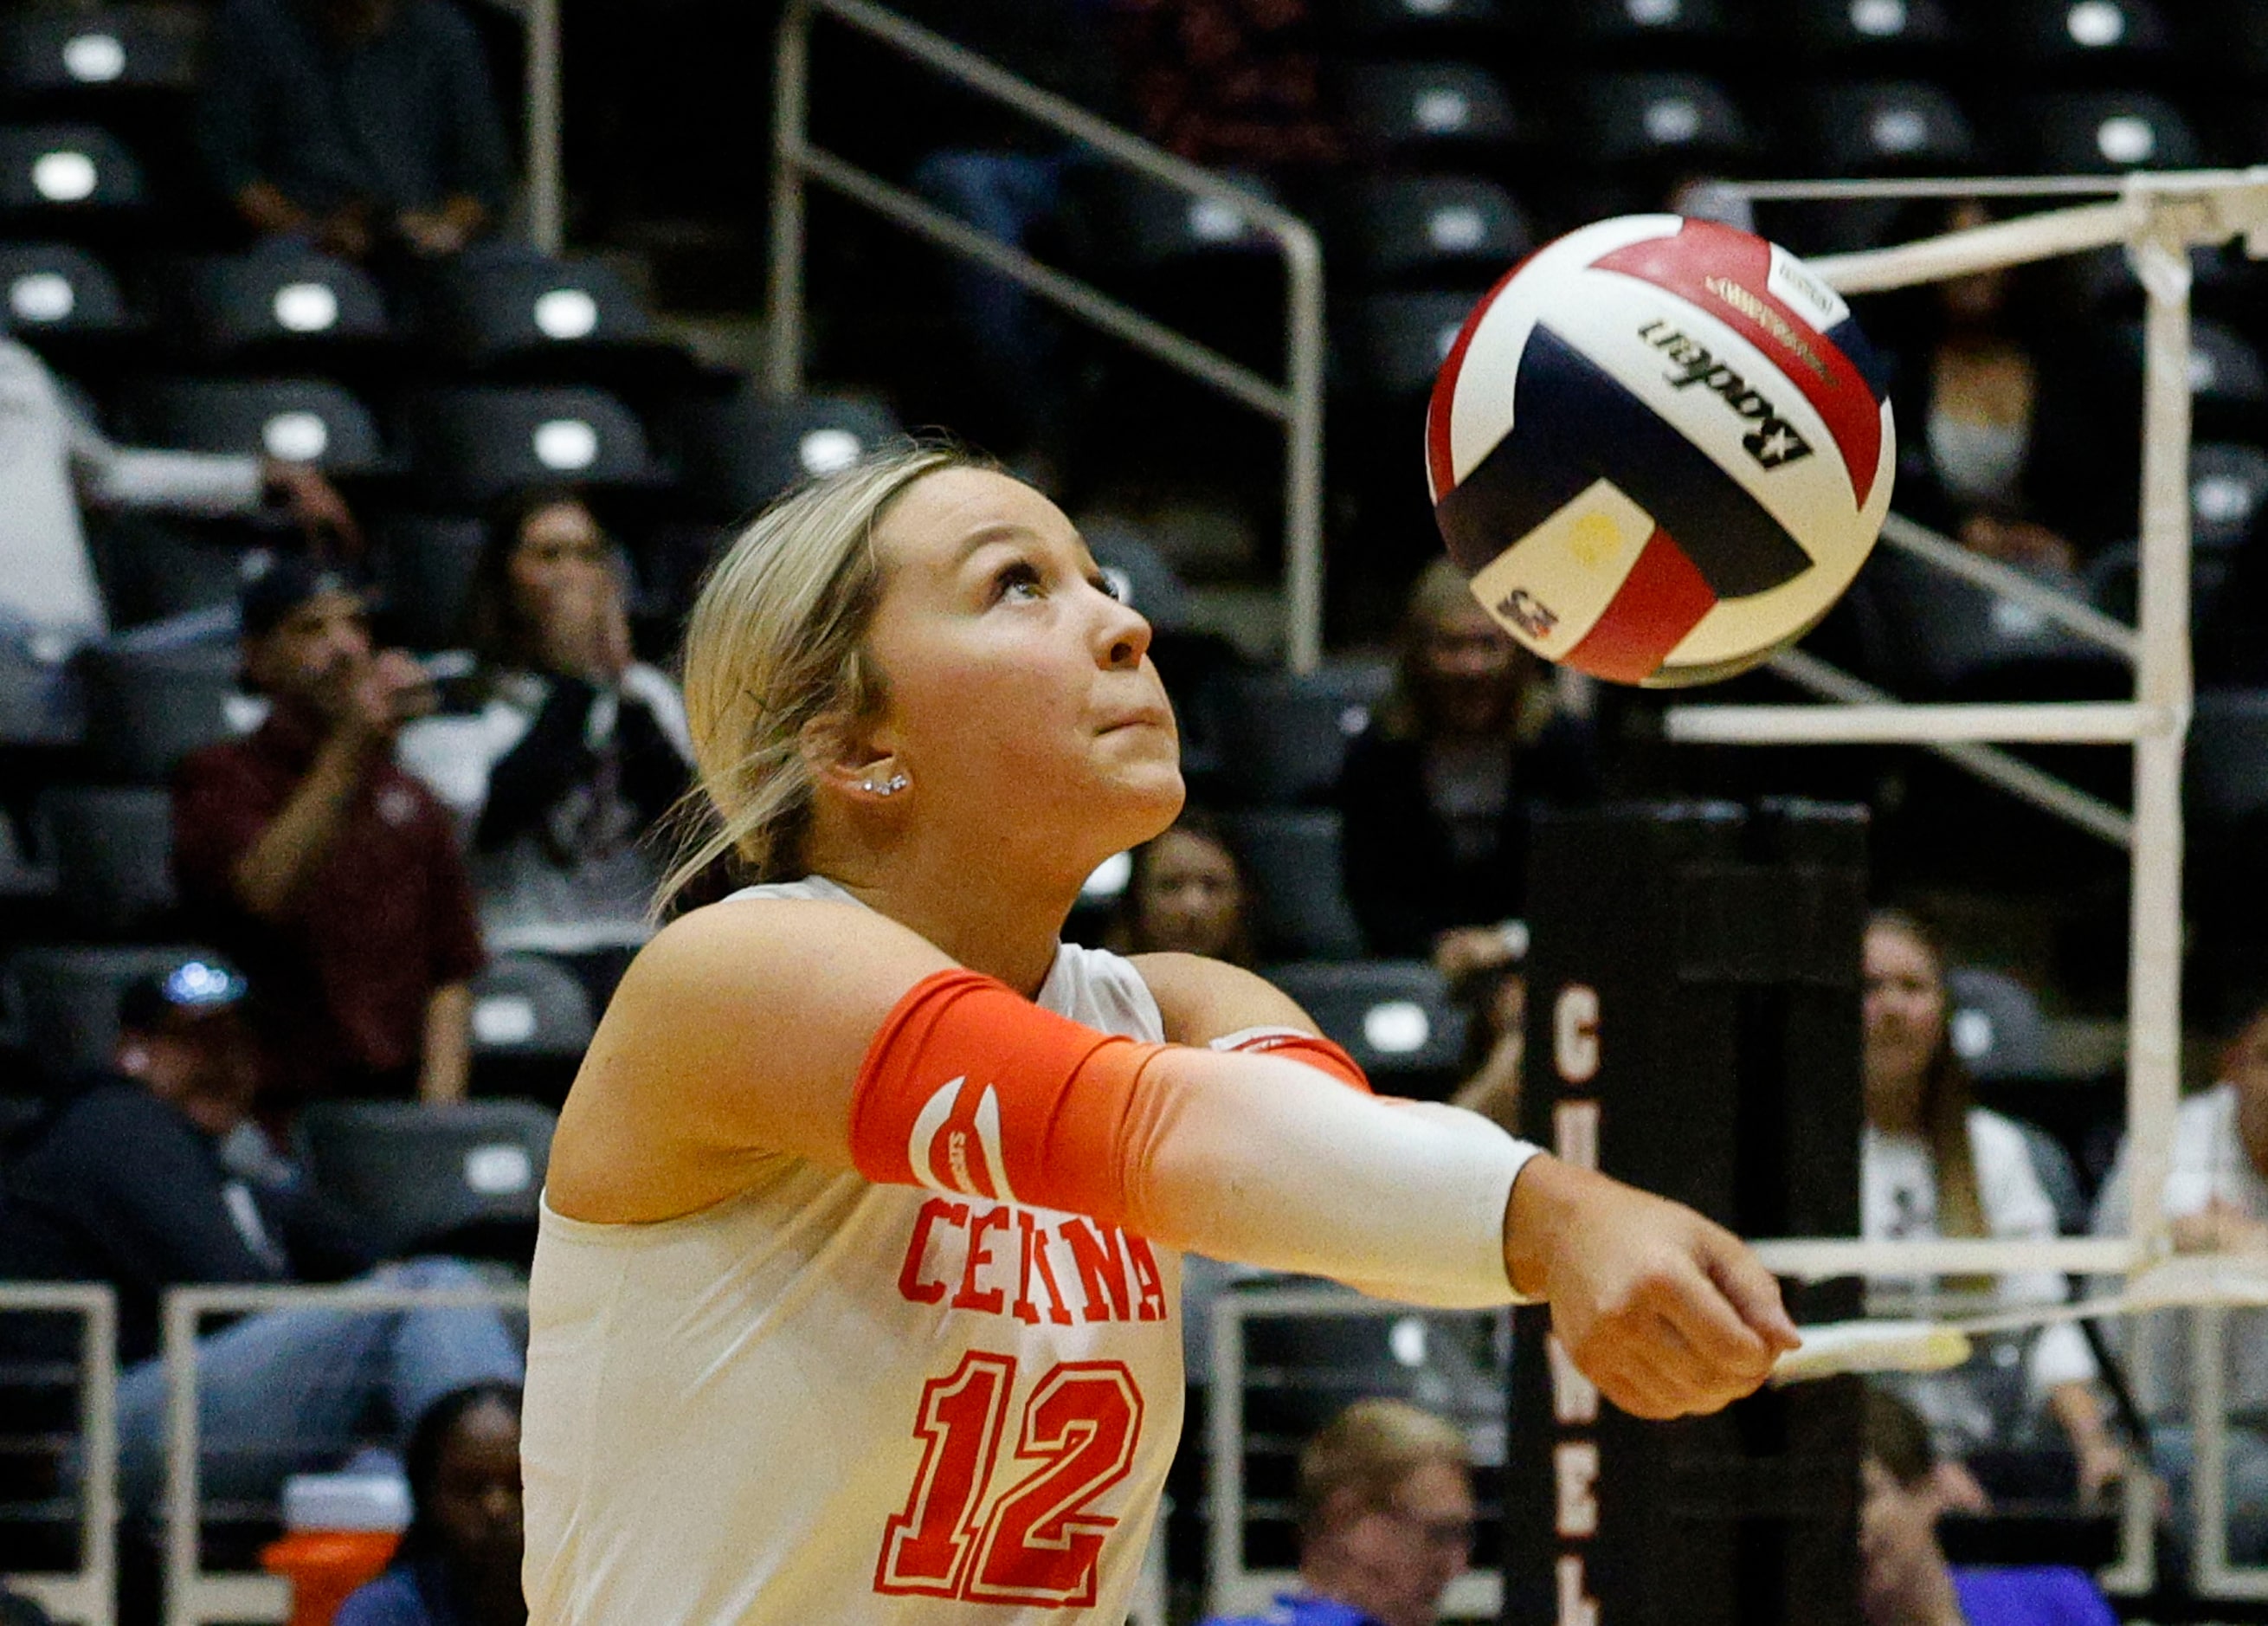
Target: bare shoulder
x=1204, y=1000
x=737, y=1033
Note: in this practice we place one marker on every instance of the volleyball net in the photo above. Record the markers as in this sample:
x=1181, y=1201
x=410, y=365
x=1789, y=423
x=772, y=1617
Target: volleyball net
x=2158, y=220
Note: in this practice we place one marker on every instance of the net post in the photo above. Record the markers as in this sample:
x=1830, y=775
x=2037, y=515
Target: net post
x=2162, y=679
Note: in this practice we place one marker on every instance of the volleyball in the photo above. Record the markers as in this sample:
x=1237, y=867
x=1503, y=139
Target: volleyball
x=1659, y=450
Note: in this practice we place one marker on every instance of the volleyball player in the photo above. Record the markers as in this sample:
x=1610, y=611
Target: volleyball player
x=856, y=1299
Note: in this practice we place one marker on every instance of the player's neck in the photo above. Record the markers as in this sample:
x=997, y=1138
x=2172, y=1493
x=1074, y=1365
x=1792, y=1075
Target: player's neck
x=993, y=910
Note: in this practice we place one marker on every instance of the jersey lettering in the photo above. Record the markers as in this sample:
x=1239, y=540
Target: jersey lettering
x=963, y=1248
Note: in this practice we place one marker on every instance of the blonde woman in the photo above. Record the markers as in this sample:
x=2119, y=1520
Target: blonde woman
x=857, y=1295
x=1934, y=1163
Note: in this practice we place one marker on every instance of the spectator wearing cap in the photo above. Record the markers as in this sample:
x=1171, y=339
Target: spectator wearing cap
x=52, y=460
x=361, y=125
x=137, y=1184
x=566, y=751
x=334, y=876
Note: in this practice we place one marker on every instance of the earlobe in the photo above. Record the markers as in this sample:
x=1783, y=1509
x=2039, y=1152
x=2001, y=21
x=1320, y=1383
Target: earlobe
x=850, y=767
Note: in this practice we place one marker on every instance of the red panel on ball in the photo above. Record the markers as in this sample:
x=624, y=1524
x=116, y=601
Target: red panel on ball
x=1661, y=600
x=1438, y=460
x=1703, y=252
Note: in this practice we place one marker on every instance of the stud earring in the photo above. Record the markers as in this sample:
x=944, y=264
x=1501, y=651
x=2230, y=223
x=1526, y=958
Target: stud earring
x=889, y=786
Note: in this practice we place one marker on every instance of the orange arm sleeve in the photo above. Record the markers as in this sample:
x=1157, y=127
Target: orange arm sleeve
x=971, y=1089
x=1269, y=1159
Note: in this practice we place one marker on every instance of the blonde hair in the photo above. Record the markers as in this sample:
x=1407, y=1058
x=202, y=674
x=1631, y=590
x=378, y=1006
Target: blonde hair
x=775, y=642
x=1369, y=1450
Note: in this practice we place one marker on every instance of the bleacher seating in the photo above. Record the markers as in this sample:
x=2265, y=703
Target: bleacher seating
x=470, y=446
x=1293, y=856
x=1406, y=109
x=54, y=172
x=1287, y=734
x=425, y=1177
x=531, y=1020
x=300, y=420
x=54, y=289
x=1868, y=30
x=496, y=305
x=74, y=49
x=112, y=849
x=426, y=563
x=1404, y=337
x=1885, y=126
x=1394, y=1017
x=1431, y=228
x=739, y=451
x=148, y=708
x=2105, y=131
x=1654, y=118
x=2066, y=34
x=226, y=306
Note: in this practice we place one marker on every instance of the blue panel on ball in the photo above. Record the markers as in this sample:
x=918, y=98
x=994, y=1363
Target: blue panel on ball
x=1573, y=423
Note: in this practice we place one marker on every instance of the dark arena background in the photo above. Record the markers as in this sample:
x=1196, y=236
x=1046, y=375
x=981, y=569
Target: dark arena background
x=379, y=380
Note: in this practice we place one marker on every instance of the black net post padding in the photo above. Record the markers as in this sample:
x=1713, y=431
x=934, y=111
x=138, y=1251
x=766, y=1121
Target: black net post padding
x=1693, y=1020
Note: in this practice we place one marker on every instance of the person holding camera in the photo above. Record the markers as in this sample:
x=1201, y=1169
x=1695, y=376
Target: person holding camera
x=332, y=876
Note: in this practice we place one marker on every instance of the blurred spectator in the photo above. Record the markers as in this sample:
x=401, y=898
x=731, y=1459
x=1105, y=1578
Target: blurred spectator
x=1228, y=84
x=1498, y=1000
x=52, y=459
x=2217, y=1196
x=1903, y=1579
x=1386, y=1521
x=130, y=1185
x=1935, y=1164
x=332, y=875
x=458, y=1561
x=362, y=126
x=1437, y=792
x=1188, y=894
x=2007, y=449
x=572, y=750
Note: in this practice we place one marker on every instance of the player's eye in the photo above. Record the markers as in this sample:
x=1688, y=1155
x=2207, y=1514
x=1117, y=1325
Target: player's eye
x=1020, y=579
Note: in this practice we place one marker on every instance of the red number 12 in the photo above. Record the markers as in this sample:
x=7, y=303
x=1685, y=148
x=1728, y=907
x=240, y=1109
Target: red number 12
x=1042, y=1542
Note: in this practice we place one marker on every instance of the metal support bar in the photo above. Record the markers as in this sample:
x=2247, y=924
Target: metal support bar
x=1298, y=405
x=1232, y=1589
x=2089, y=722
x=1121, y=321
x=547, y=210
x=192, y=1597
x=1816, y=1259
x=90, y=1594
x=2074, y=616
x=2020, y=241
x=2163, y=685
x=1988, y=763
x=2210, y=1572
x=1974, y=186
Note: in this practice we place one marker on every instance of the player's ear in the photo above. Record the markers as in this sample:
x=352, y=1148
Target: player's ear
x=859, y=763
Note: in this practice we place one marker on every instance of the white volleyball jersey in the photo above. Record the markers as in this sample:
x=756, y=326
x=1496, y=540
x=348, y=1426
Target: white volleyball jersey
x=826, y=1400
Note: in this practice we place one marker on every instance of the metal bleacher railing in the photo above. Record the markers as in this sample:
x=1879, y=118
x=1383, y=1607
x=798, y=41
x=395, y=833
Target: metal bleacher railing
x=1232, y=1588
x=88, y=1593
x=1297, y=404
x=194, y=1596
